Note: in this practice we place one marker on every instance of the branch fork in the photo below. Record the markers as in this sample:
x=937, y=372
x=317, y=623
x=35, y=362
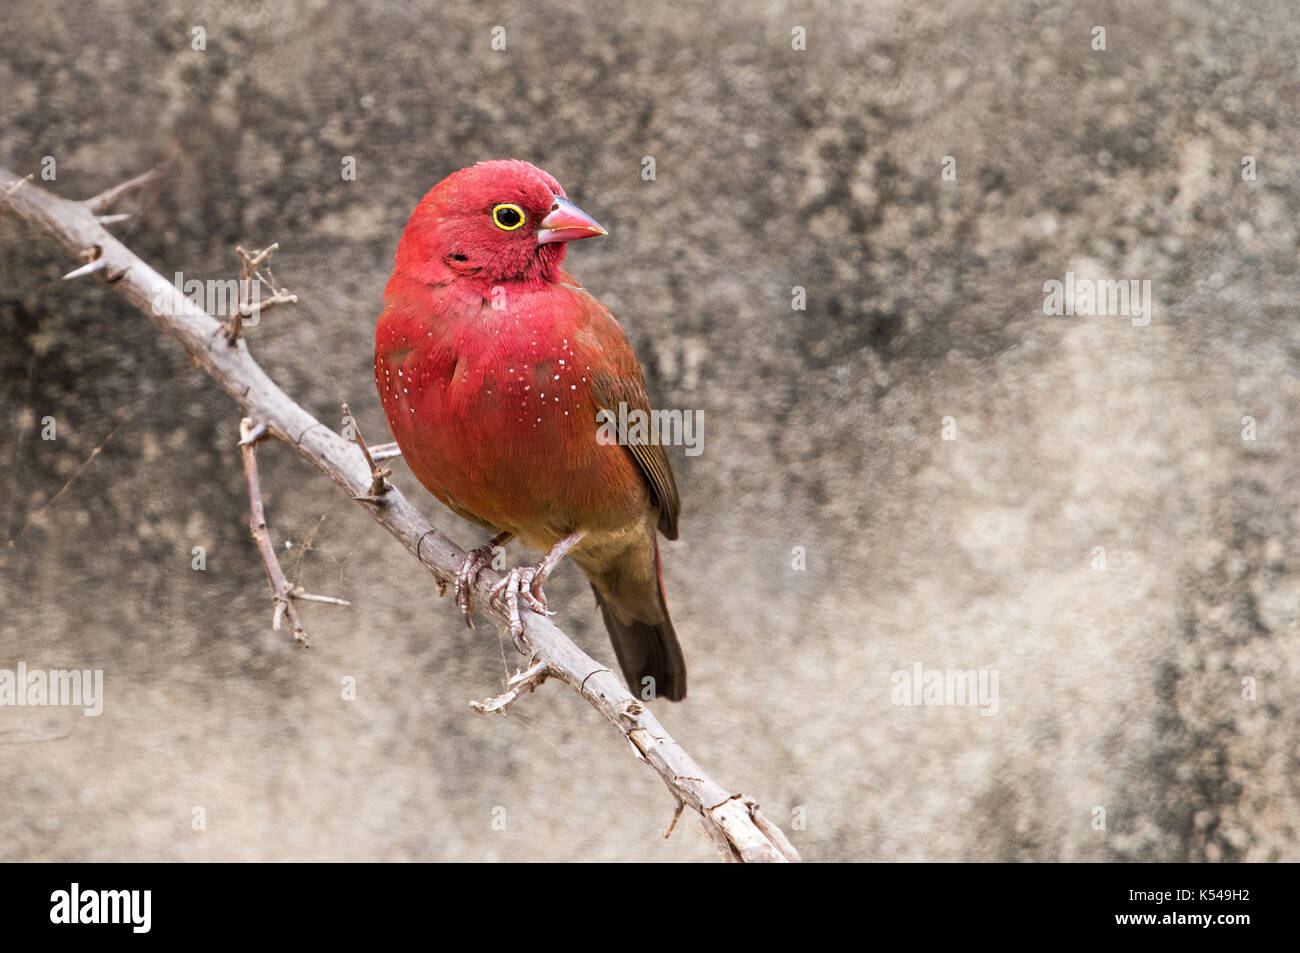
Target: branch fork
x=284, y=594
x=252, y=264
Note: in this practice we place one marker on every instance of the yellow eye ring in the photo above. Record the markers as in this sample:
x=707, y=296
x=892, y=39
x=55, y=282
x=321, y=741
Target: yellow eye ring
x=508, y=217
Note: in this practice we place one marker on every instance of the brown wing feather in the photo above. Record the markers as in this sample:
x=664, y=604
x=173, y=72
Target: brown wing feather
x=651, y=459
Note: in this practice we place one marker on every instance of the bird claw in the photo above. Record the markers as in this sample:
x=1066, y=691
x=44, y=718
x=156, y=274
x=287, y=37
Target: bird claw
x=521, y=582
x=474, y=562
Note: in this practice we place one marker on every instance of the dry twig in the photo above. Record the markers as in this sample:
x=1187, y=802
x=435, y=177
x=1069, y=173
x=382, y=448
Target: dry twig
x=379, y=484
x=521, y=683
x=250, y=277
x=283, y=593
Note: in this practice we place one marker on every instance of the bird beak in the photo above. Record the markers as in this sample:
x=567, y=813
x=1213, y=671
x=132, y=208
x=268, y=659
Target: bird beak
x=567, y=223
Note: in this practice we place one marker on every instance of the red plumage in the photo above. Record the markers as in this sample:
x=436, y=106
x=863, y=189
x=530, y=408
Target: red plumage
x=492, y=363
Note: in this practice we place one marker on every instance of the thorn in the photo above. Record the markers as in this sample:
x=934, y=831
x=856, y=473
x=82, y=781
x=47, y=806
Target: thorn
x=328, y=600
x=681, y=806
x=17, y=184
x=107, y=197
x=112, y=219
x=385, y=451
x=87, y=269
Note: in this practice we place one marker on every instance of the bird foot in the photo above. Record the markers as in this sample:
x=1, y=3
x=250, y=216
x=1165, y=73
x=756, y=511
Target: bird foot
x=474, y=562
x=525, y=582
x=522, y=582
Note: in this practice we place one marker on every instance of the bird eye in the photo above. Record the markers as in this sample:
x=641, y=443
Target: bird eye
x=508, y=217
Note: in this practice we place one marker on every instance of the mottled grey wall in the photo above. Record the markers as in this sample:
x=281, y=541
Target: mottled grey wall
x=1119, y=688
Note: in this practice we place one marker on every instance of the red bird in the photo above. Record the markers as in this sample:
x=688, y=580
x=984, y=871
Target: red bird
x=492, y=364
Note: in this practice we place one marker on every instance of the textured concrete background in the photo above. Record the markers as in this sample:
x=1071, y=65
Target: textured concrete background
x=1119, y=688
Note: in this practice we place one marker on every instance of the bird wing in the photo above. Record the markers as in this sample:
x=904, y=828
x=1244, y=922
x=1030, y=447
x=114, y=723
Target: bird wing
x=651, y=458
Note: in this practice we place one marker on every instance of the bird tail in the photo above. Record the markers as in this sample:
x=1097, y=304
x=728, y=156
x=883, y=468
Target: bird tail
x=636, y=616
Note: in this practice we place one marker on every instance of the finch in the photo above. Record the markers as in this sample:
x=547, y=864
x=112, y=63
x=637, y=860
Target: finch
x=492, y=364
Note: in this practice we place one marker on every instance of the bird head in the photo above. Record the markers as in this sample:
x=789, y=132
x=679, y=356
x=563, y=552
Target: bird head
x=495, y=221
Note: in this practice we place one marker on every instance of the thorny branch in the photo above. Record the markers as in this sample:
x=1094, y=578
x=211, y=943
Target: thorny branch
x=733, y=822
